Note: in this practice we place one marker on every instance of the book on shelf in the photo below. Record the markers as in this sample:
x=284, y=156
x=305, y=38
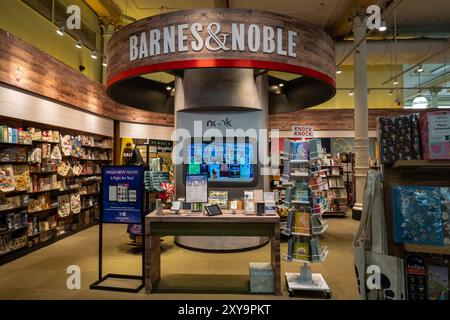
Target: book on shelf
x=316, y=223
x=290, y=220
x=316, y=249
x=437, y=282
x=286, y=171
x=302, y=222
x=287, y=151
x=288, y=194
x=269, y=203
x=335, y=171
x=290, y=248
x=301, y=249
x=315, y=149
x=300, y=150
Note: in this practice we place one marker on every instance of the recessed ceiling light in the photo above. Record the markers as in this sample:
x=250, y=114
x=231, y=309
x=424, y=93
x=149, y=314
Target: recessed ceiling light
x=281, y=84
x=168, y=88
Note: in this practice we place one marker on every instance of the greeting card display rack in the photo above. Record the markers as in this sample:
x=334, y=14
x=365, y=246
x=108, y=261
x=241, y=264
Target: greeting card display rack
x=306, y=202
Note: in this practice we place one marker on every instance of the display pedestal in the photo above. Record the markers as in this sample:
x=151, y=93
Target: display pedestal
x=306, y=281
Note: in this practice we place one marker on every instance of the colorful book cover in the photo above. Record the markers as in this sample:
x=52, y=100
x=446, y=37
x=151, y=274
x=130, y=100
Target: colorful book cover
x=290, y=220
x=437, y=283
x=315, y=148
x=301, y=251
x=4, y=133
x=301, y=150
x=9, y=131
x=287, y=151
x=302, y=222
x=418, y=215
x=219, y=198
x=14, y=136
x=288, y=195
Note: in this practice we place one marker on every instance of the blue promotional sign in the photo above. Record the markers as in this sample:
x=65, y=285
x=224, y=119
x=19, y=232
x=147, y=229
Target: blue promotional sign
x=122, y=194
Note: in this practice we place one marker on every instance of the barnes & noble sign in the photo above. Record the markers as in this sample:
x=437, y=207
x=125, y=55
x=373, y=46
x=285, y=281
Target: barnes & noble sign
x=220, y=38
x=243, y=37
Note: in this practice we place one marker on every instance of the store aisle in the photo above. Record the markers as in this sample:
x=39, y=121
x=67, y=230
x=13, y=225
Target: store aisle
x=41, y=274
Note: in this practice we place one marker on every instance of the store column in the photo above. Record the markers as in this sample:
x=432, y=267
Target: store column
x=108, y=31
x=361, y=112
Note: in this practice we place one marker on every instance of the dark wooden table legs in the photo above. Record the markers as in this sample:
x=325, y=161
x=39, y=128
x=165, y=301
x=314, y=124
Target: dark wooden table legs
x=275, y=258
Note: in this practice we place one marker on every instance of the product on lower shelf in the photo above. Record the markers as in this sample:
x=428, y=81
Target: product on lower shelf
x=421, y=214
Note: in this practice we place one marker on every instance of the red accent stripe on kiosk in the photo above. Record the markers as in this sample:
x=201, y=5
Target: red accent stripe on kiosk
x=219, y=63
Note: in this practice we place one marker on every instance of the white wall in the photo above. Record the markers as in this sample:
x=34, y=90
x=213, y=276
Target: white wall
x=145, y=131
x=24, y=106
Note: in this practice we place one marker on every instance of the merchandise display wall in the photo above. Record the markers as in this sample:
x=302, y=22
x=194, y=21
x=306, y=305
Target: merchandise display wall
x=50, y=182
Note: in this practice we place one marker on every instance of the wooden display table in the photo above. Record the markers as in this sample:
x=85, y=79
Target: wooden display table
x=198, y=224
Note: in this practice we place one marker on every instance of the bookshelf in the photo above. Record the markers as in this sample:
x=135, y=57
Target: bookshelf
x=34, y=186
x=336, y=190
x=305, y=200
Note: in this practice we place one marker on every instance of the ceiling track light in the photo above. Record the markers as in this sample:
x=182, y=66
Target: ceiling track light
x=104, y=63
x=281, y=85
x=79, y=44
x=391, y=92
x=395, y=82
x=350, y=93
x=382, y=27
x=338, y=70
x=168, y=88
x=94, y=54
x=420, y=69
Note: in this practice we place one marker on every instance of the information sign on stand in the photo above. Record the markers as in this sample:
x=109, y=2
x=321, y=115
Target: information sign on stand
x=122, y=195
x=121, y=202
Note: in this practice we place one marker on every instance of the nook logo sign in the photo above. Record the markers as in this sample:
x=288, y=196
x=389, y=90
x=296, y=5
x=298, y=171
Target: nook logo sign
x=224, y=123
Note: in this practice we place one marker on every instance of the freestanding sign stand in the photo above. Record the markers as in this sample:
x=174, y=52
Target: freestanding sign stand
x=122, y=201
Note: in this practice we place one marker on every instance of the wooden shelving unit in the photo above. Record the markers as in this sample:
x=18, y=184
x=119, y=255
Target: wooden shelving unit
x=334, y=173
x=65, y=225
